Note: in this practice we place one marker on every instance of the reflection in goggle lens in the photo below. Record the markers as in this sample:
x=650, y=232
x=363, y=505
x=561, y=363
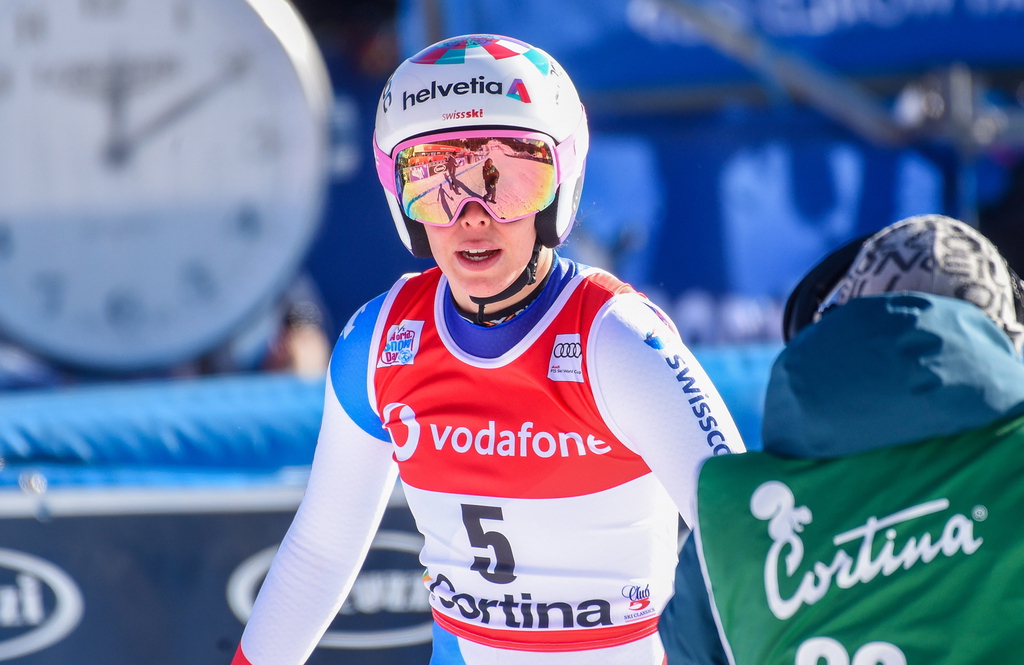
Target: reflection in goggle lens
x=515, y=177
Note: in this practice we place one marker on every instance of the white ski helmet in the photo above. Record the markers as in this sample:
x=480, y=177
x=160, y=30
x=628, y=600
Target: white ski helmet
x=474, y=82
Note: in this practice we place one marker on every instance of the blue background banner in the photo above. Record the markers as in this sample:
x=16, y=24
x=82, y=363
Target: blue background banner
x=643, y=44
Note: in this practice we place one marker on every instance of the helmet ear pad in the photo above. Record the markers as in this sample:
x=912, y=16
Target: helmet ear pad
x=556, y=221
x=418, y=243
x=545, y=223
x=411, y=232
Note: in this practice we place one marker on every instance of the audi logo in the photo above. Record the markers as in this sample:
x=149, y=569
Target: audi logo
x=568, y=350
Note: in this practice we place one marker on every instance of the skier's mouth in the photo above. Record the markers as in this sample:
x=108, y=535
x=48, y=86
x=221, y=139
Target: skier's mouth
x=477, y=255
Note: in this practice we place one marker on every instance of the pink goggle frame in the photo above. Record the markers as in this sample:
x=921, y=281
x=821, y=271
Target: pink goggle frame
x=511, y=173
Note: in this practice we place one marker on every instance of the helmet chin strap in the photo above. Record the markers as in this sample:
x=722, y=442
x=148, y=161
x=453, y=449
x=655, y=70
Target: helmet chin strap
x=528, y=277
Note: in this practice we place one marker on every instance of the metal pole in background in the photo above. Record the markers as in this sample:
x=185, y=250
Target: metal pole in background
x=835, y=96
x=963, y=118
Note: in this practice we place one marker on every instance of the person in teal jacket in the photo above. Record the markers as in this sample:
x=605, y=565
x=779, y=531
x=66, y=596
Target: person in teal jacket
x=881, y=524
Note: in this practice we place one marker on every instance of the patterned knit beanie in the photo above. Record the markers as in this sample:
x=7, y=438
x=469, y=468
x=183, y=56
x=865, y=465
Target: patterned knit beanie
x=940, y=255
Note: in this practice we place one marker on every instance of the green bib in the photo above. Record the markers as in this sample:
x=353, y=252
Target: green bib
x=906, y=555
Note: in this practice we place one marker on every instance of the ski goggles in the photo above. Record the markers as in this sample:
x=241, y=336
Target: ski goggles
x=434, y=176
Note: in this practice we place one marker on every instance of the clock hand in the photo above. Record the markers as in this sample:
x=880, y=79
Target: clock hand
x=122, y=144
x=117, y=92
x=115, y=82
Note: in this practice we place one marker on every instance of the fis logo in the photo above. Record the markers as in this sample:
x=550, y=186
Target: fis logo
x=385, y=98
x=652, y=340
x=401, y=344
x=566, y=362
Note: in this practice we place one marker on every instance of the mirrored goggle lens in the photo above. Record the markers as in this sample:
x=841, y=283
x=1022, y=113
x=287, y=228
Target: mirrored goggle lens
x=514, y=177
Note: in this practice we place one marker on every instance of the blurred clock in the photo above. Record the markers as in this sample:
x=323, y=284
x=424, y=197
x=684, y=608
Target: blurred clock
x=162, y=172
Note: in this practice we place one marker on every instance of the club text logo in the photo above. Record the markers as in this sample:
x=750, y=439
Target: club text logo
x=774, y=501
x=639, y=598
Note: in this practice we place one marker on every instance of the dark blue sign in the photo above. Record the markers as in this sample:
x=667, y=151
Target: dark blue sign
x=168, y=580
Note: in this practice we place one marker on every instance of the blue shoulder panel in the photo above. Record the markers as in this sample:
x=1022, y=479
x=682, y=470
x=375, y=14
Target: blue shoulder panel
x=349, y=364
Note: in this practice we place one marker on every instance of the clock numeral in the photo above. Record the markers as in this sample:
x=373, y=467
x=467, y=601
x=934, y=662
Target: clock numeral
x=101, y=8
x=124, y=310
x=182, y=16
x=6, y=241
x=267, y=142
x=49, y=290
x=198, y=282
x=30, y=27
x=6, y=81
x=248, y=223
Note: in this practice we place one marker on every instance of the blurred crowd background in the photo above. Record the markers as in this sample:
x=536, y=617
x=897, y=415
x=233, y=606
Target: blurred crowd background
x=735, y=142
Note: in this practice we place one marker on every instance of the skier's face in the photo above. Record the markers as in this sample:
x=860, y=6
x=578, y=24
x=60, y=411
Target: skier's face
x=481, y=257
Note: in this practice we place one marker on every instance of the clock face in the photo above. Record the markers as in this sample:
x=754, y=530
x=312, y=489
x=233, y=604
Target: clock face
x=161, y=172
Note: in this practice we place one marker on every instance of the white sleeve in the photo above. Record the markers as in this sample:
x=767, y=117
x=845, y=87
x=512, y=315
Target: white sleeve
x=655, y=396
x=352, y=477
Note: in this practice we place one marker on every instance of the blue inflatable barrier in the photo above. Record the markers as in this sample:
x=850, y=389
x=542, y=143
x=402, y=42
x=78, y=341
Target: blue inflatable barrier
x=253, y=422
